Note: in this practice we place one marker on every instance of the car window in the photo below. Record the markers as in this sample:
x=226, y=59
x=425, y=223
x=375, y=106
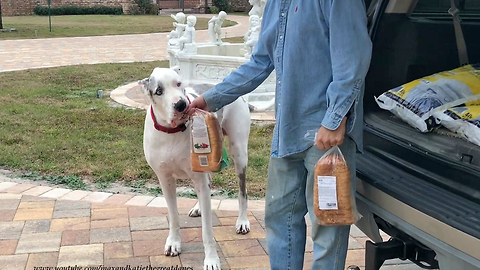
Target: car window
x=468, y=8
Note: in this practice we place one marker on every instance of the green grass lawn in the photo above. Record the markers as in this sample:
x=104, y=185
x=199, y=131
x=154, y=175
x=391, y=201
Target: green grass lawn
x=91, y=25
x=234, y=40
x=52, y=127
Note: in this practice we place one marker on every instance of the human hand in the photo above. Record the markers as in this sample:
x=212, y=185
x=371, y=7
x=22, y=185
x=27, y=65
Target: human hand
x=198, y=103
x=327, y=138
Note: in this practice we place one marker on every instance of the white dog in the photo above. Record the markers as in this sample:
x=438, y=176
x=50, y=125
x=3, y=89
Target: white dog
x=167, y=150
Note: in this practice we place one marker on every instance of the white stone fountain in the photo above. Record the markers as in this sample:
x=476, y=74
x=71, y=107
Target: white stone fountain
x=210, y=63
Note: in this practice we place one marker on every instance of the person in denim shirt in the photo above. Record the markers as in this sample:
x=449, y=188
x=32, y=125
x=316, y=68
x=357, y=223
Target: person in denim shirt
x=321, y=52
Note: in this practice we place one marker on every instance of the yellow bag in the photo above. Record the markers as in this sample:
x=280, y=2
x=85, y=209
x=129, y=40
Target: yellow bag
x=416, y=101
x=464, y=120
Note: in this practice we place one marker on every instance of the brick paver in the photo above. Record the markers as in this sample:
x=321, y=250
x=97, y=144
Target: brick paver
x=75, y=237
x=85, y=255
x=47, y=259
x=36, y=226
x=39, y=242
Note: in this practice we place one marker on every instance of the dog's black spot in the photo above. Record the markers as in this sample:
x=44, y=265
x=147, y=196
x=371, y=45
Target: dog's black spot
x=243, y=183
x=150, y=93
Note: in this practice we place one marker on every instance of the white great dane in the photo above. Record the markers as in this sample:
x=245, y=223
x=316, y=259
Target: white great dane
x=166, y=145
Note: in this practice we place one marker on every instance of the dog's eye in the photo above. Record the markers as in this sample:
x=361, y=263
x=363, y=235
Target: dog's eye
x=159, y=91
x=179, y=84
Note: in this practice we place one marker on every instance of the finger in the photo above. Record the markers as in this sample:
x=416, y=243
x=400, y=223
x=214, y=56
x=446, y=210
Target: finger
x=191, y=109
x=320, y=145
x=327, y=145
x=333, y=142
x=340, y=142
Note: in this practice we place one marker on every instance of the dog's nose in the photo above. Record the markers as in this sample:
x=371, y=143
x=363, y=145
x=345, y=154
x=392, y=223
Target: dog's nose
x=180, y=106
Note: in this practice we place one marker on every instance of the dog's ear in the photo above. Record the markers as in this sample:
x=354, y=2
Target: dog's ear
x=176, y=69
x=144, y=82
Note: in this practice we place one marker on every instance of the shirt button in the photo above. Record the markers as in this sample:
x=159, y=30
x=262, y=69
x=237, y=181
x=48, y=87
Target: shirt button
x=283, y=14
x=281, y=37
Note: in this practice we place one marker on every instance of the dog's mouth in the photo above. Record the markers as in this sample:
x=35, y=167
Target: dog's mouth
x=178, y=119
x=179, y=114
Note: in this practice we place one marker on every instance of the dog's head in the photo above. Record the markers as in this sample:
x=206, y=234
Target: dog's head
x=167, y=95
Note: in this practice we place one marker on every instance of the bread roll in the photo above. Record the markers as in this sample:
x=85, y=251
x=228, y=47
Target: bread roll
x=334, y=165
x=208, y=162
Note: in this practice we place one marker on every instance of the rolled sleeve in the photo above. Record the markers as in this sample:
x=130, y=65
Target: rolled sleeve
x=350, y=52
x=332, y=120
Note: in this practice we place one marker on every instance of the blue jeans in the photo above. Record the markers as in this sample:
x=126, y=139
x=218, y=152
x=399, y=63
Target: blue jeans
x=287, y=201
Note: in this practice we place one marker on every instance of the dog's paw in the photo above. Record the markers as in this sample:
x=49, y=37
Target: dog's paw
x=195, y=211
x=242, y=226
x=211, y=264
x=172, y=247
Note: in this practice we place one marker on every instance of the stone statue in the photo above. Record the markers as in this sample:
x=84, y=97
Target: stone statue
x=257, y=7
x=251, y=37
x=215, y=27
x=178, y=24
x=189, y=35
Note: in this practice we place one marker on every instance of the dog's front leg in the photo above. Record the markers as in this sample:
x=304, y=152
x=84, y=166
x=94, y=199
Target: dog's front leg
x=173, y=243
x=212, y=261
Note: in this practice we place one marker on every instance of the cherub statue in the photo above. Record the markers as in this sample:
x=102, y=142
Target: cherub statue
x=178, y=24
x=215, y=27
x=251, y=37
x=189, y=35
x=257, y=7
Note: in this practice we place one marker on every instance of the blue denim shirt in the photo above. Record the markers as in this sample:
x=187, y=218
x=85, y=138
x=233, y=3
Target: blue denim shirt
x=320, y=50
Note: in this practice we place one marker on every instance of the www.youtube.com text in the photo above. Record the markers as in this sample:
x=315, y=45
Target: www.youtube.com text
x=101, y=267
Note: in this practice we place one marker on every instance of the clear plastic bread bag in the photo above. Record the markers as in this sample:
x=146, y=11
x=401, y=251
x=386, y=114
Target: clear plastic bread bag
x=206, y=138
x=333, y=198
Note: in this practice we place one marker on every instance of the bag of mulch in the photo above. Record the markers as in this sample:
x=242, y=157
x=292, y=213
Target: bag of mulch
x=464, y=120
x=415, y=102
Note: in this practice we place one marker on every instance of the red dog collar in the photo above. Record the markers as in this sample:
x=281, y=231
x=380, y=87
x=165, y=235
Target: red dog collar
x=168, y=130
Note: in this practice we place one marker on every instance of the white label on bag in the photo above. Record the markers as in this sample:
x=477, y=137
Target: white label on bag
x=201, y=142
x=327, y=193
x=203, y=160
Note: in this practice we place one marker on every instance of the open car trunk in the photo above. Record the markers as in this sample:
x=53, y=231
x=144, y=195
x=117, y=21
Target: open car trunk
x=437, y=173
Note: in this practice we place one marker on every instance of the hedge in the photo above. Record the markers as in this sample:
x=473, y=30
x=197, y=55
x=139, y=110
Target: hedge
x=74, y=10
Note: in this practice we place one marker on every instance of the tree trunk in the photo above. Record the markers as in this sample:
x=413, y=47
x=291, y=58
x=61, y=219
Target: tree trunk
x=1, y=24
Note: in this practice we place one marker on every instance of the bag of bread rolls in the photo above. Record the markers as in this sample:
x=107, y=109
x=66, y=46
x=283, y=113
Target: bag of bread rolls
x=206, y=138
x=334, y=203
